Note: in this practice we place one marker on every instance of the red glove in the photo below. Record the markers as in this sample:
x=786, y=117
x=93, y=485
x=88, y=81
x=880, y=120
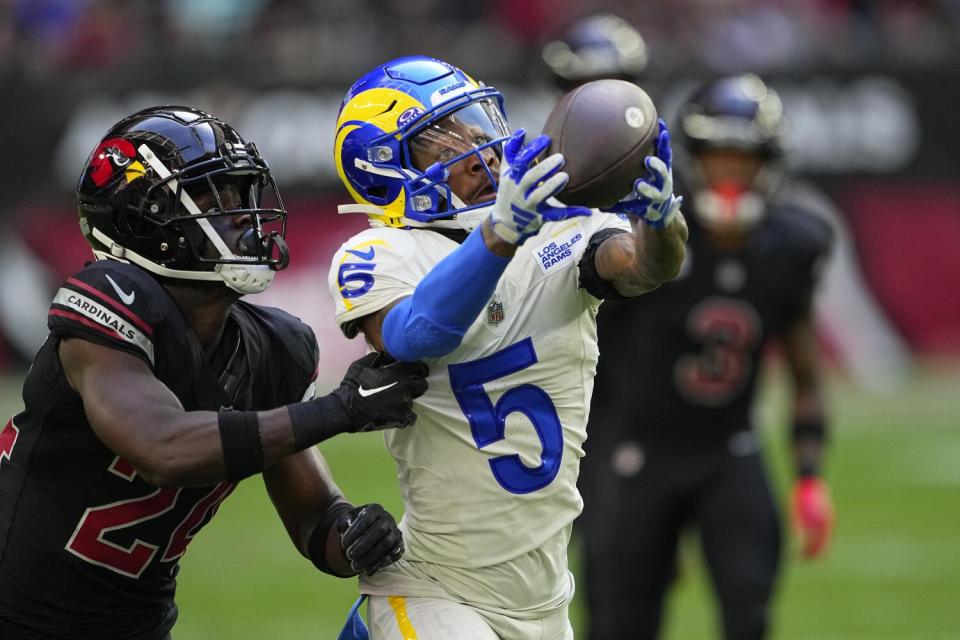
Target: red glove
x=812, y=515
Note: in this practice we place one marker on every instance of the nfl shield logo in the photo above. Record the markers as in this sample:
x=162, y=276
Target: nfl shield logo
x=495, y=310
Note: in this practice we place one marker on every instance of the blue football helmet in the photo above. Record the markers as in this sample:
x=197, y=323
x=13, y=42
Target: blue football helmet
x=402, y=127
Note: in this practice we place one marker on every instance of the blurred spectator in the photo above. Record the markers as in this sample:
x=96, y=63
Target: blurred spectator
x=103, y=37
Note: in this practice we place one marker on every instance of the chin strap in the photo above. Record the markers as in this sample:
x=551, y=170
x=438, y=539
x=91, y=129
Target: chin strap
x=241, y=278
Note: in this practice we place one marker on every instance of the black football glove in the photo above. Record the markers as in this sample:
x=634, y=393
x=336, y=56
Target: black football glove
x=380, y=396
x=369, y=538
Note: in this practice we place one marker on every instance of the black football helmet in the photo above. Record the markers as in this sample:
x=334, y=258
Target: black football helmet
x=738, y=113
x=594, y=47
x=138, y=194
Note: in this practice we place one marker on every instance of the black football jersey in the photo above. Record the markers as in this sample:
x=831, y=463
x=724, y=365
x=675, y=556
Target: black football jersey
x=87, y=548
x=679, y=364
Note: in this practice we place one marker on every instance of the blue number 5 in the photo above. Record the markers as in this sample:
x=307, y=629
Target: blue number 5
x=487, y=421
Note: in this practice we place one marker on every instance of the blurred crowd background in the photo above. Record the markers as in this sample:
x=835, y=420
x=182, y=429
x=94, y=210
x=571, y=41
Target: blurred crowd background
x=870, y=88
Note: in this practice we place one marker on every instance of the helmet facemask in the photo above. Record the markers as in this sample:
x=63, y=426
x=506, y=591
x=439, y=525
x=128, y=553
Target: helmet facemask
x=457, y=158
x=731, y=187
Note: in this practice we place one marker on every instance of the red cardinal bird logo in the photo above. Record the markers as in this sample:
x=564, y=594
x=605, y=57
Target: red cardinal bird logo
x=112, y=154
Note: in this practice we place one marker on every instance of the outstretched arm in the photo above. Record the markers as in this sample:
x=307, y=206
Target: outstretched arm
x=136, y=416
x=640, y=262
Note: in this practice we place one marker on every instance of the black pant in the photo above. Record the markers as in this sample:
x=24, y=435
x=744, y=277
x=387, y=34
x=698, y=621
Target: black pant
x=631, y=525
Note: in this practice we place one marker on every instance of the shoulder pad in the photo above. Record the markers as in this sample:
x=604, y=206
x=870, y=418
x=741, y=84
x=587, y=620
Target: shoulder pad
x=805, y=232
x=284, y=345
x=111, y=303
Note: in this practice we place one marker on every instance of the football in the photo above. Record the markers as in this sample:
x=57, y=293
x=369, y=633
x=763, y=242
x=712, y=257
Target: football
x=604, y=129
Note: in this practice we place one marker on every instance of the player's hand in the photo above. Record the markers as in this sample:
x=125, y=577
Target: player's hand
x=378, y=396
x=521, y=207
x=369, y=538
x=652, y=198
x=812, y=515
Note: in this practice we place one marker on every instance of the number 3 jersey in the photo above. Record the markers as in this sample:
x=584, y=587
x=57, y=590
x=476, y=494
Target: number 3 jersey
x=87, y=548
x=488, y=472
x=679, y=365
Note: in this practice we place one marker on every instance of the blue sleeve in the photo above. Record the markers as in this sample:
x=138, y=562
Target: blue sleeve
x=431, y=323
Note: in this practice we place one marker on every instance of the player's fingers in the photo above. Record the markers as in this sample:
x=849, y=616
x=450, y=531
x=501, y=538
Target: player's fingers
x=513, y=145
x=377, y=532
x=414, y=380
x=649, y=191
x=359, y=525
x=543, y=169
x=407, y=420
x=658, y=172
x=374, y=554
x=386, y=560
x=416, y=386
x=418, y=368
x=664, y=151
x=550, y=187
x=530, y=152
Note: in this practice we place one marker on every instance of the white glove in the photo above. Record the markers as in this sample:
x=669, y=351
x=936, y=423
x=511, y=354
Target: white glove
x=521, y=206
x=652, y=198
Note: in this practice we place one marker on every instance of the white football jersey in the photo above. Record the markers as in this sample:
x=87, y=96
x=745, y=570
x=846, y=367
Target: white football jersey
x=488, y=472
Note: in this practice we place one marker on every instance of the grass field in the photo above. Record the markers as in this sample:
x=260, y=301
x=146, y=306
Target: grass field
x=893, y=572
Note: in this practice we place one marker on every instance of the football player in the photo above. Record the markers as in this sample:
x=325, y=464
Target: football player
x=158, y=390
x=672, y=442
x=472, y=266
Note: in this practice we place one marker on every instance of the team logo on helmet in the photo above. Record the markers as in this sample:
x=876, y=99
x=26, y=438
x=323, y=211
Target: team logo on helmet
x=109, y=156
x=409, y=116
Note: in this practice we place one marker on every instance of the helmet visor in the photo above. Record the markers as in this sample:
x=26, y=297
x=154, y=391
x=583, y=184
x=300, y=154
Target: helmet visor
x=464, y=131
x=462, y=150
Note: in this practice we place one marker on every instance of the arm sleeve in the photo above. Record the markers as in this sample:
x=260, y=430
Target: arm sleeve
x=433, y=321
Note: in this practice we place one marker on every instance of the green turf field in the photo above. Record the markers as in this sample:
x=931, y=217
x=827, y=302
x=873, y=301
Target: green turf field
x=893, y=573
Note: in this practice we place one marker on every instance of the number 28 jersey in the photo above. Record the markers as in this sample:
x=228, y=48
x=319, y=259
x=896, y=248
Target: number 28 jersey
x=488, y=472
x=87, y=548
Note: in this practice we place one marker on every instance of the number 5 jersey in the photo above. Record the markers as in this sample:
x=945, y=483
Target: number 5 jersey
x=488, y=472
x=87, y=548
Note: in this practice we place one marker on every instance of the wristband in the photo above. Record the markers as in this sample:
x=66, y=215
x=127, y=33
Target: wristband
x=317, y=544
x=316, y=420
x=808, y=469
x=242, y=447
x=809, y=430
